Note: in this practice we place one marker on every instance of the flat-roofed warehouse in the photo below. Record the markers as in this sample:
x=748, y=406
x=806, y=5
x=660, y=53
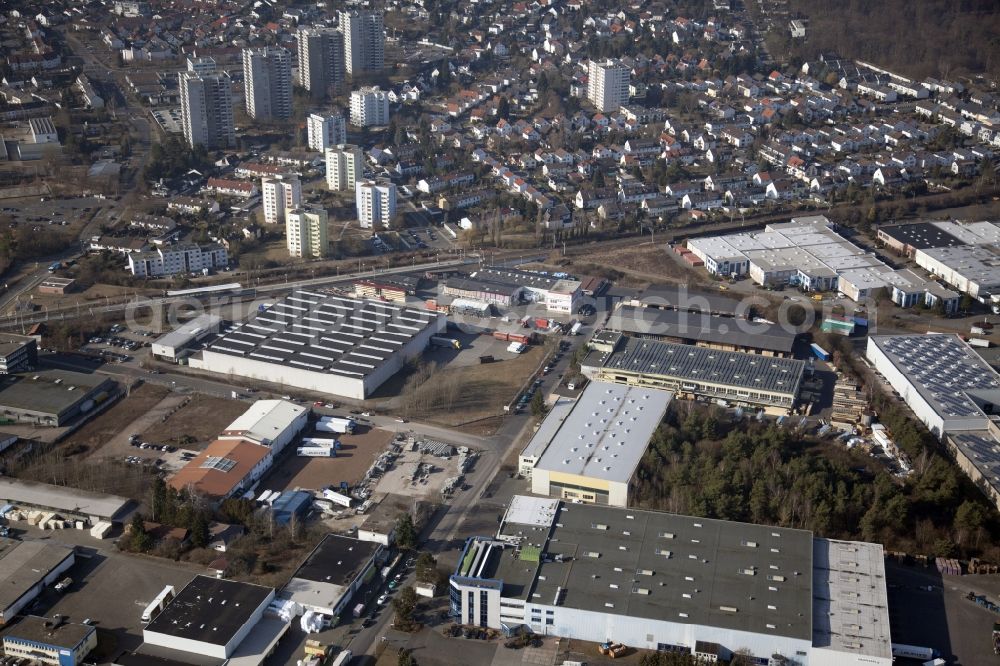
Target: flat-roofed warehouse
x=211, y=617
x=681, y=297
x=324, y=342
x=52, y=397
x=947, y=385
x=70, y=503
x=26, y=567
x=703, y=330
x=667, y=582
x=172, y=345
x=332, y=573
x=750, y=380
x=589, y=450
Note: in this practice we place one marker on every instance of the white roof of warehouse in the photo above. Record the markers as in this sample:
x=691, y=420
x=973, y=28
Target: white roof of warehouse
x=850, y=602
x=265, y=419
x=184, y=333
x=605, y=433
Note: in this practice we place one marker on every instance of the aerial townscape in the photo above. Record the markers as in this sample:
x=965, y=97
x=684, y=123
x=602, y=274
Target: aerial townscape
x=499, y=333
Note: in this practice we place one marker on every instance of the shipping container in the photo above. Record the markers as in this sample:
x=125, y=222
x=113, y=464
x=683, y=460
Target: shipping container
x=541, y=322
x=819, y=352
x=336, y=424
x=316, y=452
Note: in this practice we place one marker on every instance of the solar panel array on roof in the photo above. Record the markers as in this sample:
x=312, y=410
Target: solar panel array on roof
x=765, y=373
x=325, y=332
x=942, y=368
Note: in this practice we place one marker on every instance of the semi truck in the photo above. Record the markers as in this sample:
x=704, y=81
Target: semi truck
x=913, y=652
x=336, y=424
x=576, y=328
x=446, y=343
x=342, y=659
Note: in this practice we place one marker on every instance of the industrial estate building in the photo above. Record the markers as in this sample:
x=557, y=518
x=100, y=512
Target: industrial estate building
x=243, y=451
x=952, y=391
x=25, y=568
x=703, y=330
x=212, y=618
x=177, y=343
x=668, y=582
x=52, y=397
x=732, y=378
x=805, y=253
x=558, y=293
x=46, y=641
x=972, y=269
x=332, y=573
x=906, y=239
x=587, y=450
x=684, y=299
x=323, y=342
x=18, y=353
x=70, y=503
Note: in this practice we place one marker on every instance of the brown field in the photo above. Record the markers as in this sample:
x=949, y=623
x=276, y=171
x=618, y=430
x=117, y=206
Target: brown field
x=356, y=455
x=203, y=418
x=110, y=423
x=472, y=395
x=641, y=263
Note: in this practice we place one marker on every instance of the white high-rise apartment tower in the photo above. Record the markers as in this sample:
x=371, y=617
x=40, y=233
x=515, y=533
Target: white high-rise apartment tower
x=267, y=82
x=206, y=105
x=344, y=167
x=279, y=195
x=369, y=107
x=607, y=85
x=326, y=131
x=306, y=233
x=376, y=202
x=364, y=40
x=321, y=60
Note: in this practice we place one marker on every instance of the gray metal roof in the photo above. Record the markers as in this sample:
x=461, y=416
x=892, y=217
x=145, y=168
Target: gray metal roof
x=23, y=564
x=606, y=432
x=701, y=327
x=186, y=332
x=49, y=391
x=325, y=332
x=921, y=235
x=63, y=498
x=516, y=277
x=850, y=601
x=680, y=297
x=668, y=567
x=982, y=450
x=697, y=364
x=942, y=369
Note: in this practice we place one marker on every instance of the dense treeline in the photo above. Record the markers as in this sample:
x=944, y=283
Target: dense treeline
x=701, y=463
x=940, y=38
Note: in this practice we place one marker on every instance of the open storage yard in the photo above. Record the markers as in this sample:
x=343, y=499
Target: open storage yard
x=105, y=426
x=201, y=420
x=462, y=395
x=355, y=456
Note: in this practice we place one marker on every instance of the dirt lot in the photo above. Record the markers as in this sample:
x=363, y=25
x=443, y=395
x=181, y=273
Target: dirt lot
x=107, y=425
x=356, y=455
x=202, y=419
x=641, y=264
x=461, y=395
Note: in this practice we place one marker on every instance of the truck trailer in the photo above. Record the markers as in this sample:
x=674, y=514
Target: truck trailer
x=913, y=652
x=819, y=352
x=336, y=424
x=446, y=343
